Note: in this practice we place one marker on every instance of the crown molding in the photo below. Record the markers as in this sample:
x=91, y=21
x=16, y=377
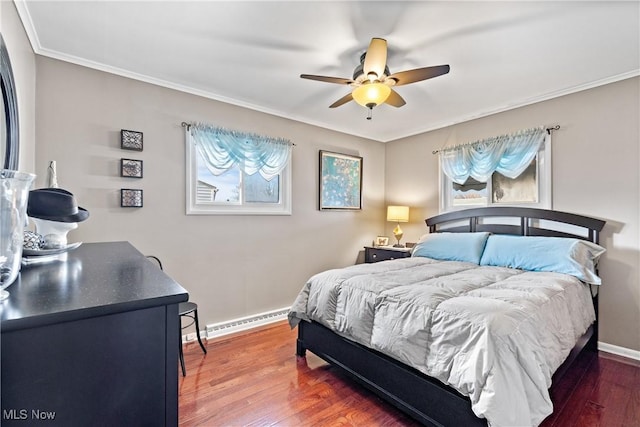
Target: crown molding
x=27, y=22
x=523, y=103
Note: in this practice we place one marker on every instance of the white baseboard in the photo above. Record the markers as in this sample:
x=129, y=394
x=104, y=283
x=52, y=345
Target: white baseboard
x=245, y=323
x=241, y=324
x=619, y=351
x=220, y=329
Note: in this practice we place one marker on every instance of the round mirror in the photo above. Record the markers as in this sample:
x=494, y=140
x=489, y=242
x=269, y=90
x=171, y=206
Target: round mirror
x=9, y=136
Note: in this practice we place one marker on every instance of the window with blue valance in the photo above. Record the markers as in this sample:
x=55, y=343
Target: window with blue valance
x=508, y=155
x=232, y=172
x=222, y=149
x=512, y=169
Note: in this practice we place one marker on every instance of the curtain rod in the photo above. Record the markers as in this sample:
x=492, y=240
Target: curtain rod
x=188, y=126
x=549, y=130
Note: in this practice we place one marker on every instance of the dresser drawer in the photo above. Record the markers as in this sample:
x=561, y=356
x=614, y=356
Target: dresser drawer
x=381, y=254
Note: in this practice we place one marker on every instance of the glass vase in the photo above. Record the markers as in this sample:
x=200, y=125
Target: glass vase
x=14, y=194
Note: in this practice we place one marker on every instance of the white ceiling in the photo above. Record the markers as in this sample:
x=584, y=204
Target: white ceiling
x=502, y=54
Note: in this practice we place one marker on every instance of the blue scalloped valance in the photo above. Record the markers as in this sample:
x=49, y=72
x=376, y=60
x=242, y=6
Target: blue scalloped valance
x=507, y=154
x=222, y=149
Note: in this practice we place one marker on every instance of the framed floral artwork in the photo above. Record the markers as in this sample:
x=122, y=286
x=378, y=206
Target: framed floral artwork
x=340, y=181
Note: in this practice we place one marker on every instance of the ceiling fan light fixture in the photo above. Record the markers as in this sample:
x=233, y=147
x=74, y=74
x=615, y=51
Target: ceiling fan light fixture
x=372, y=81
x=371, y=93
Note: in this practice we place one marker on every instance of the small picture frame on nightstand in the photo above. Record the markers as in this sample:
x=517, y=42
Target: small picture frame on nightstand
x=382, y=241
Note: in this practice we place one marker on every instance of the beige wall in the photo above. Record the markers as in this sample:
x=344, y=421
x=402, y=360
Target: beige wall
x=232, y=266
x=23, y=64
x=595, y=160
x=237, y=266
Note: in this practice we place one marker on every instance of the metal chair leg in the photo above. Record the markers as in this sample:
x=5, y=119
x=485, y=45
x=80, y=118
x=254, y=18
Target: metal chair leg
x=195, y=312
x=184, y=370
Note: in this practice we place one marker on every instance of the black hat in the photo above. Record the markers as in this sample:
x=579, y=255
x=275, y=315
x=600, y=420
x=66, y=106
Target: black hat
x=55, y=204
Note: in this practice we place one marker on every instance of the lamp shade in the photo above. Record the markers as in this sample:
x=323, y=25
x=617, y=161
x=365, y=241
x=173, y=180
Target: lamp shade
x=371, y=93
x=398, y=213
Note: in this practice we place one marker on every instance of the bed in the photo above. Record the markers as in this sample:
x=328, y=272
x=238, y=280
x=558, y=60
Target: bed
x=466, y=331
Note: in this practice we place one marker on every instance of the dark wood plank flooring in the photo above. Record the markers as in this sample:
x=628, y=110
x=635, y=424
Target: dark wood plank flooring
x=255, y=379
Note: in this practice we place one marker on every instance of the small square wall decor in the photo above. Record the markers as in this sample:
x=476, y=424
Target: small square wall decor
x=131, y=168
x=130, y=198
x=130, y=140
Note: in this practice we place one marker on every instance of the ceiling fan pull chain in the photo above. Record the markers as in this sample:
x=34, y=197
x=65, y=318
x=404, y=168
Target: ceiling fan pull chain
x=369, y=113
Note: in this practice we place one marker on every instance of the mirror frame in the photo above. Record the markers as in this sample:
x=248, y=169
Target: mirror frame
x=8, y=87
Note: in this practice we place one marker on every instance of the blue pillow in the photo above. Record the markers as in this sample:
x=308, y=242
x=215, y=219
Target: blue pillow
x=452, y=246
x=533, y=253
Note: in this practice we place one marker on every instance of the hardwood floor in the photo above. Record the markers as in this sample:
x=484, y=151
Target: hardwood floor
x=255, y=379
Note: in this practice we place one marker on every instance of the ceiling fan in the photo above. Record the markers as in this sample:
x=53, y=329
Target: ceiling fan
x=372, y=81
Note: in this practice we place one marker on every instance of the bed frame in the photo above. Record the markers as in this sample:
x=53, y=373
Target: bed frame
x=424, y=398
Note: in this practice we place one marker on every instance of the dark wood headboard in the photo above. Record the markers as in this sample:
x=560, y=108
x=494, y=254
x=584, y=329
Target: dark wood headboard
x=518, y=221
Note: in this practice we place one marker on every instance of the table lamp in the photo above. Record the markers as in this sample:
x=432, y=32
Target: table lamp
x=398, y=214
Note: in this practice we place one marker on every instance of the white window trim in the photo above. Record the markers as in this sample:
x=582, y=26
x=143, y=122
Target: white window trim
x=545, y=197
x=193, y=208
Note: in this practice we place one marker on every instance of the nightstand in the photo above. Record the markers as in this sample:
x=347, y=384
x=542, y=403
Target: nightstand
x=383, y=253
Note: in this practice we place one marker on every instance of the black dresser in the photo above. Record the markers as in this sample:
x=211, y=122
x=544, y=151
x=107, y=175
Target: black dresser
x=91, y=341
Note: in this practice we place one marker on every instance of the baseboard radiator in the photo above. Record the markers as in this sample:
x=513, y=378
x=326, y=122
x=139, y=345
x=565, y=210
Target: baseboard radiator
x=245, y=323
x=216, y=330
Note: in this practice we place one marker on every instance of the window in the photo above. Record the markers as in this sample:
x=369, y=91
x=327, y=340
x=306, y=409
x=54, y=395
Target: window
x=532, y=187
x=219, y=182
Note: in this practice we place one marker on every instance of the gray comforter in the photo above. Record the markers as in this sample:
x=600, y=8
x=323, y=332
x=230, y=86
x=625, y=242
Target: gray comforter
x=494, y=334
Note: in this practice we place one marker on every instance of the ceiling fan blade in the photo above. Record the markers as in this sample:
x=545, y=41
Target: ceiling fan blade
x=376, y=58
x=412, y=76
x=338, y=80
x=348, y=97
x=395, y=99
